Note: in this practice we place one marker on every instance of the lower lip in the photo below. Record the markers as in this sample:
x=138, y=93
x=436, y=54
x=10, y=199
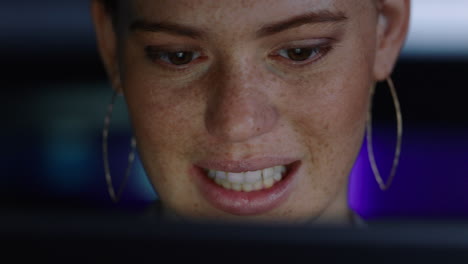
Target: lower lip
x=245, y=203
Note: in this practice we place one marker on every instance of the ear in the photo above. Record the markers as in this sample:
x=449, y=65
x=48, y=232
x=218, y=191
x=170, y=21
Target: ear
x=392, y=27
x=106, y=42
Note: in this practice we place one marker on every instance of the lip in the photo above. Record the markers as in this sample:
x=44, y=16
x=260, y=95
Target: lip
x=245, y=203
x=244, y=165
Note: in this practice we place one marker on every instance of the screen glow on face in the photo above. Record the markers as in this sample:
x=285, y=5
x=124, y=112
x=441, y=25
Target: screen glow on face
x=286, y=86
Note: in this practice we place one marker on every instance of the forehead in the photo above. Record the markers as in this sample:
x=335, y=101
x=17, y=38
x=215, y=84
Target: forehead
x=235, y=13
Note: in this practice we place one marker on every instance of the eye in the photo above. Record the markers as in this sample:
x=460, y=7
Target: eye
x=300, y=54
x=179, y=57
x=176, y=58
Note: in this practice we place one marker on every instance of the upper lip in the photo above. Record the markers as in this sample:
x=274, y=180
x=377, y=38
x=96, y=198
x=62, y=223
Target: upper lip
x=251, y=164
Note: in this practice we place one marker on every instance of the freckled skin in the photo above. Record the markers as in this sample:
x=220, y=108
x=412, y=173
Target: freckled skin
x=241, y=103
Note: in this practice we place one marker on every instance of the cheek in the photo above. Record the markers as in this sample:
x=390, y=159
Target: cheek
x=162, y=116
x=164, y=119
x=330, y=123
x=162, y=109
x=165, y=123
x=330, y=107
x=334, y=99
x=329, y=118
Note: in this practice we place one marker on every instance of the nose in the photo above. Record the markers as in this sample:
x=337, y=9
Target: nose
x=239, y=107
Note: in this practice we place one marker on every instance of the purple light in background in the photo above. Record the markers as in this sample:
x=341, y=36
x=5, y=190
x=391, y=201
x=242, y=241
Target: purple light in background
x=431, y=180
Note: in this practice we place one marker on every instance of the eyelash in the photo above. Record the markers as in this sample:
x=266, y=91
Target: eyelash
x=163, y=56
x=317, y=53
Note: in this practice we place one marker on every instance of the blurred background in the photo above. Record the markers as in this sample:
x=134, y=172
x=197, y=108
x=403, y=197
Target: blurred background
x=55, y=96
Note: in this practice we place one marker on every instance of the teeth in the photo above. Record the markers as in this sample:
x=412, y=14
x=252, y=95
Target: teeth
x=236, y=177
x=220, y=175
x=280, y=169
x=268, y=182
x=248, y=181
x=226, y=185
x=212, y=174
x=237, y=186
x=247, y=187
x=277, y=177
x=268, y=173
x=258, y=185
x=220, y=181
x=253, y=176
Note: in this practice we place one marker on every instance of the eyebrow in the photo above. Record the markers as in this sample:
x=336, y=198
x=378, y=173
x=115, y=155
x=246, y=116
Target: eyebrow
x=171, y=28
x=324, y=16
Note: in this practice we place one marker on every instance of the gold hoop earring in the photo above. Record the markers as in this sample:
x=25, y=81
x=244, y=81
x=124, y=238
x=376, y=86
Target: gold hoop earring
x=105, y=151
x=370, y=150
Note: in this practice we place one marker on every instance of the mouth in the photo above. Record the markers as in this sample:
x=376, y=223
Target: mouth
x=246, y=187
x=248, y=181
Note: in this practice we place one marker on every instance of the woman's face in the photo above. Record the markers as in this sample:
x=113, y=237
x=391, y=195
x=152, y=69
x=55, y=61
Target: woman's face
x=248, y=109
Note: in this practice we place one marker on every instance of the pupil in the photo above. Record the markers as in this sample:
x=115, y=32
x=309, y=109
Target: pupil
x=299, y=54
x=180, y=57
